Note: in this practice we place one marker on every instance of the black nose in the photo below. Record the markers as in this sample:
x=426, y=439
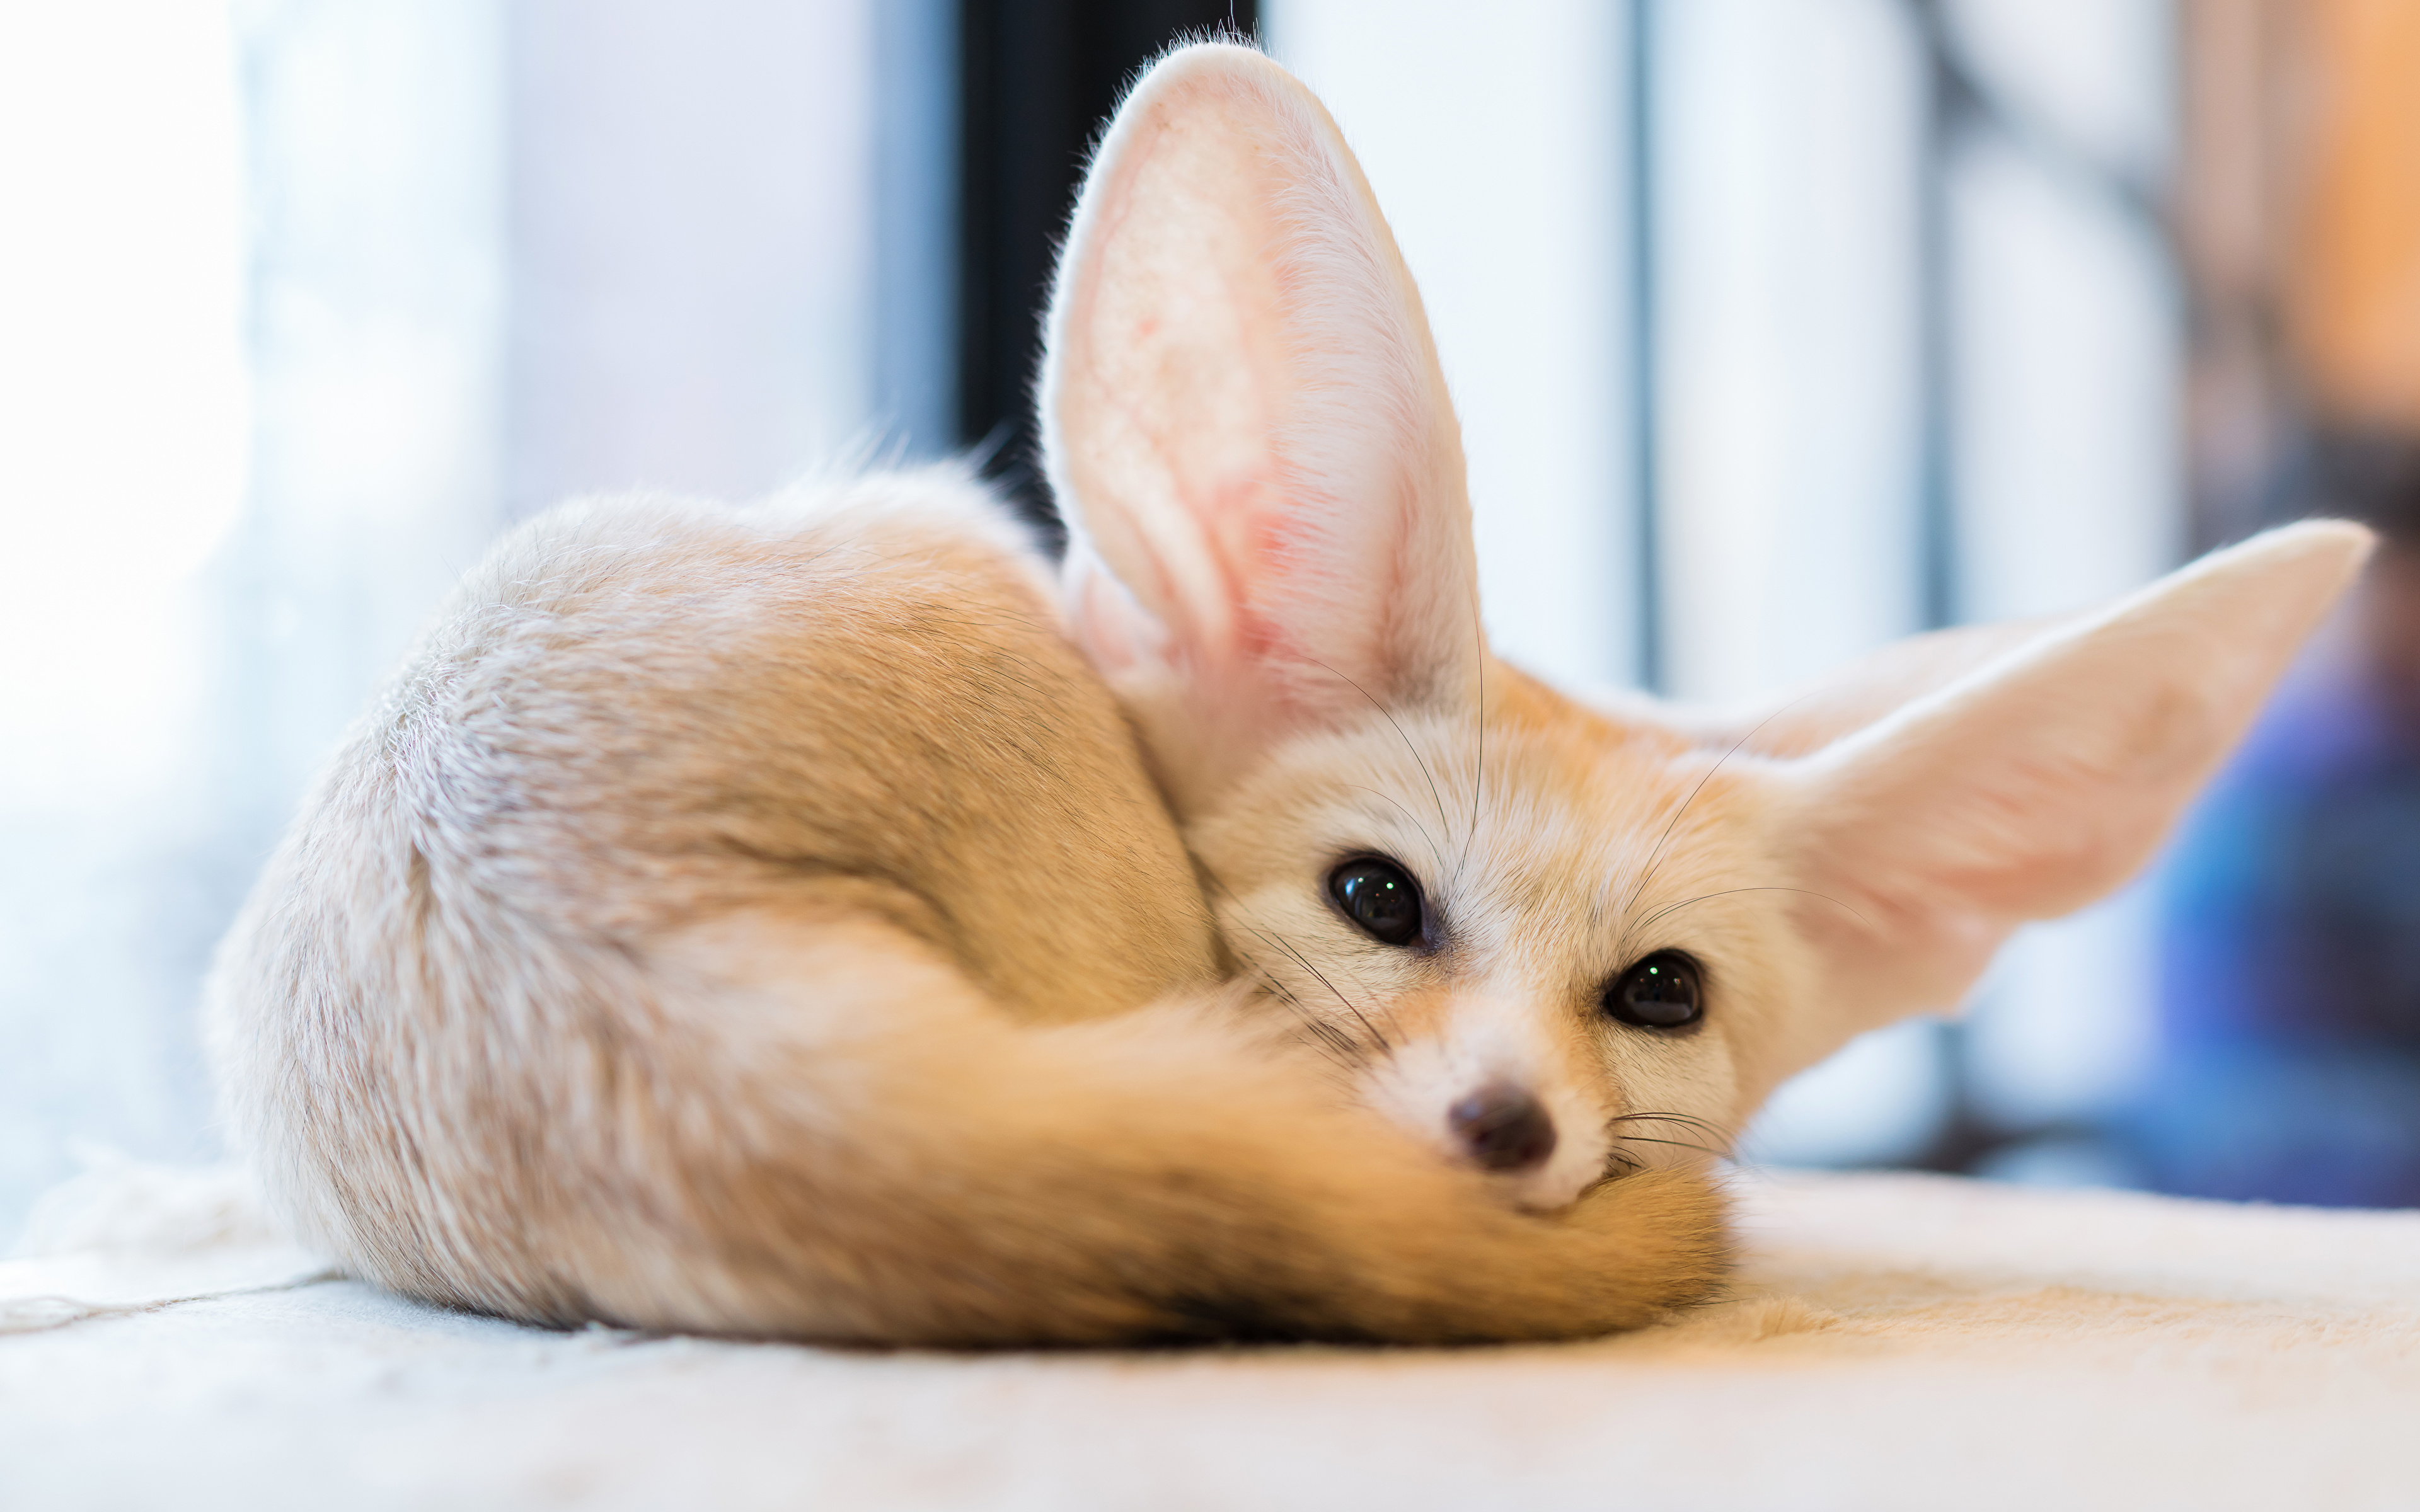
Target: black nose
x=1504, y=1127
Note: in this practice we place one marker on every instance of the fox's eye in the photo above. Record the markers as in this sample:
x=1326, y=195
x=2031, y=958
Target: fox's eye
x=1380, y=897
x=1661, y=992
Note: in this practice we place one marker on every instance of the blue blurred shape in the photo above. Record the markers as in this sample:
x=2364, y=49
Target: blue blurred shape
x=2290, y=1012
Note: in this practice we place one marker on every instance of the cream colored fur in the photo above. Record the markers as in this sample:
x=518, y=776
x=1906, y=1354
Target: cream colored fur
x=813, y=920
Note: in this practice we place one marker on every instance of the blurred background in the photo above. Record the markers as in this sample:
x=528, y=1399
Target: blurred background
x=1778, y=328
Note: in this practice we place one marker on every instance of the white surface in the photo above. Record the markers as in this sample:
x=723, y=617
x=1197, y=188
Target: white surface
x=1896, y=1342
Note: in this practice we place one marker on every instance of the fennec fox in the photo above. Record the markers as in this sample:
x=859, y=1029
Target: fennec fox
x=819, y=919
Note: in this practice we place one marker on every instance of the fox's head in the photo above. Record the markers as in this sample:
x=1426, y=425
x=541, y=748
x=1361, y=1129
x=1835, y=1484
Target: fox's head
x=1560, y=941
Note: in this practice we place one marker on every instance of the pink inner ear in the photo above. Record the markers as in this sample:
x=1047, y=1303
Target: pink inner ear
x=1244, y=522
x=2044, y=780
x=1244, y=411
x=1264, y=539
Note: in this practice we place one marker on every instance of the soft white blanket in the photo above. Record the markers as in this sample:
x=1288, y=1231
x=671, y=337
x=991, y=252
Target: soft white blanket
x=1893, y=1342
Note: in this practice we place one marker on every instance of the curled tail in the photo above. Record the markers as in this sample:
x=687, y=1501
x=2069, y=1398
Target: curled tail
x=1153, y=1177
x=839, y=1139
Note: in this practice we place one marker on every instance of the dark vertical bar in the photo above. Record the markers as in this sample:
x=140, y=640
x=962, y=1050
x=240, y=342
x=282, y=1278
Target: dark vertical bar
x=1037, y=78
x=1643, y=329
x=1949, y=109
x=915, y=237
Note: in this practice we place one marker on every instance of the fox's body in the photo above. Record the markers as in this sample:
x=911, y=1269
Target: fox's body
x=681, y=944
x=827, y=919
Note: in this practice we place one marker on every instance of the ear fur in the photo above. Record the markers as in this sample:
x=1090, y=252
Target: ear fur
x=1246, y=426
x=2041, y=778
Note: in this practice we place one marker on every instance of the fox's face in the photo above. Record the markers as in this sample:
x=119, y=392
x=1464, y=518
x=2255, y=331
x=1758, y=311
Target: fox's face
x=1535, y=937
x=1559, y=944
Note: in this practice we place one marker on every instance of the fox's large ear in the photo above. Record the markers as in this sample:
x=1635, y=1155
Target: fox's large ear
x=1244, y=423
x=2036, y=782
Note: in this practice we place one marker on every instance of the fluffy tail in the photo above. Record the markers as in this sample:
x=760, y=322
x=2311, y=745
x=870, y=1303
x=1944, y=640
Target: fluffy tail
x=1153, y=1178
x=755, y=1164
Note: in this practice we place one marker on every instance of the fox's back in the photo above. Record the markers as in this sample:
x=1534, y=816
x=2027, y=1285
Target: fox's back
x=659, y=711
x=636, y=719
